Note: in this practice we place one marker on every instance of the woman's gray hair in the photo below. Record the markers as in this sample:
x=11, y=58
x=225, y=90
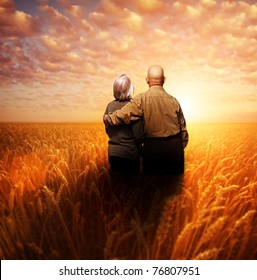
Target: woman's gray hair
x=123, y=88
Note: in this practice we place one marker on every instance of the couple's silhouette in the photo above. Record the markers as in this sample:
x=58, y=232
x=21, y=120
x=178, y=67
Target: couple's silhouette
x=147, y=134
x=150, y=126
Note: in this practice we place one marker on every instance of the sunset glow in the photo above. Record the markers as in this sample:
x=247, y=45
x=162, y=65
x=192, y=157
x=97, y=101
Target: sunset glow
x=59, y=58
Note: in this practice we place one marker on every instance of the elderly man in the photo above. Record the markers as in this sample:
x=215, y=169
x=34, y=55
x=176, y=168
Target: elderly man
x=165, y=125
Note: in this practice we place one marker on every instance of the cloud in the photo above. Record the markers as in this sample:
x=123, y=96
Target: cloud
x=149, y=6
x=86, y=26
x=133, y=21
x=16, y=23
x=76, y=11
x=55, y=44
x=76, y=46
x=122, y=45
x=112, y=15
x=55, y=22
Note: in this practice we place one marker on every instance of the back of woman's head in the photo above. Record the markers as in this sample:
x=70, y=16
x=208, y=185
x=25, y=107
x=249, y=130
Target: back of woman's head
x=123, y=88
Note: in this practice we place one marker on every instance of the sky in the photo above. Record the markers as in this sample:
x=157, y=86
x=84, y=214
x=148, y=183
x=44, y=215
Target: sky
x=59, y=58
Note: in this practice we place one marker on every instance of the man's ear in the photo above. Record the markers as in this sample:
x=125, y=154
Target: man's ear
x=164, y=79
x=147, y=80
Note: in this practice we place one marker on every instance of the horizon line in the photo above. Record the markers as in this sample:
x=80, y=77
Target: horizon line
x=98, y=122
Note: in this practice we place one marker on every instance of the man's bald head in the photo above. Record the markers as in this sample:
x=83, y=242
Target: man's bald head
x=155, y=75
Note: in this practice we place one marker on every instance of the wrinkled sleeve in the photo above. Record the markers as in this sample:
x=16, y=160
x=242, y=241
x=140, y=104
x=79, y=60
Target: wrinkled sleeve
x=132, y=111
x=183, y=128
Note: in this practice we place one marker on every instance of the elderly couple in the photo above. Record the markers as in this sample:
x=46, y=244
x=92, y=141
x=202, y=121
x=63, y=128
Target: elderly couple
x=151, y=125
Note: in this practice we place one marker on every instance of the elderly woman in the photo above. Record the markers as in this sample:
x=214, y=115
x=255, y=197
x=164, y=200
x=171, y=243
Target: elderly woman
x=124, y=141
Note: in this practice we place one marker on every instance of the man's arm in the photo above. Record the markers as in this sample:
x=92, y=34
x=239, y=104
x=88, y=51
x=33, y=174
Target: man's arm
x=183, y=129
x=184, y=138
x=132, y=111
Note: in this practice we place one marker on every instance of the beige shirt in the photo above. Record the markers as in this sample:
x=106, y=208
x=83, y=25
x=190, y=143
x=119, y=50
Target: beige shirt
x=161, y=112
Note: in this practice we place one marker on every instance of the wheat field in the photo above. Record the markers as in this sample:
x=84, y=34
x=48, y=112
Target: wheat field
x=59, y=200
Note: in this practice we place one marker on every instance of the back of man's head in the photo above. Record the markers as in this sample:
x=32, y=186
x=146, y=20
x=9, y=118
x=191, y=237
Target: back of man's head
x=155, y=75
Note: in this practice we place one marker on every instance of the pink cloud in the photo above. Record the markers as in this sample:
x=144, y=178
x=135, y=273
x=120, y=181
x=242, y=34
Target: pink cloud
x=16, y=23
x=56, y=44
x=76, y=11
x=65, y=43
x=110, y=14
x=56, y=21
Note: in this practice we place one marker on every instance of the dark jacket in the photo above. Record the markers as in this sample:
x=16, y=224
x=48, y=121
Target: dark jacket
x=124, y=140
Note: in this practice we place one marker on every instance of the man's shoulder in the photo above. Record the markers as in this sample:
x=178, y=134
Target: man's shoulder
x=169, y=95
x=137, y=97
x=158, y=91
x=141, y=95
